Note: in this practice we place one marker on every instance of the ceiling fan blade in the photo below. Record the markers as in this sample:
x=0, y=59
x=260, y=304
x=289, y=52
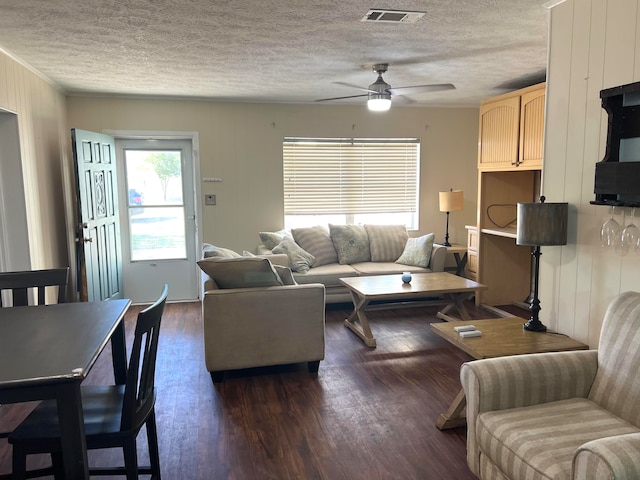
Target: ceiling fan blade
x=436, y=87
x=402, y=100
x=355, y=86
x=340, y=98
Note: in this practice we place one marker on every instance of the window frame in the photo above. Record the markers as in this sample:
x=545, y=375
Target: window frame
x=374, y=179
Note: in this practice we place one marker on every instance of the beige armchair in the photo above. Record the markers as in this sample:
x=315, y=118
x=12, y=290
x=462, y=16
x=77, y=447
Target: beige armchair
x=256, y=316
x=565, y=415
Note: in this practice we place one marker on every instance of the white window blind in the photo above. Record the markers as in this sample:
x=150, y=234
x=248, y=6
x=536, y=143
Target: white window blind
x=350, y=176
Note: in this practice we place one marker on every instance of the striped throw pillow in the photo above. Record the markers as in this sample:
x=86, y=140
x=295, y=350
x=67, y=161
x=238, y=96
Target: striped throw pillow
x=386, y=242
x=317, y=242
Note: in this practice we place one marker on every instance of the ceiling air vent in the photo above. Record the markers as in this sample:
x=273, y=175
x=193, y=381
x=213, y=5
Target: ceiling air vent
x=392, y=16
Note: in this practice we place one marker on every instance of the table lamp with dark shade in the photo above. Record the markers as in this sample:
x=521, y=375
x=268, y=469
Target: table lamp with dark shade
x=540, y=224
x=450, y=201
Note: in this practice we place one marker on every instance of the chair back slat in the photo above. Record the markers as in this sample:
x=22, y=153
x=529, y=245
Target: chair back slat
x=139, y=396
x=21, y=283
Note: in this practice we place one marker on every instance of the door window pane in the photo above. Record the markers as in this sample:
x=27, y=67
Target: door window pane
x=157, y=233
x=155, y=204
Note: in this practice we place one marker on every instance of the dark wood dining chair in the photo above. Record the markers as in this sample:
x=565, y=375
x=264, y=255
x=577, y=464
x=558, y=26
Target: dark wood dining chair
x=113, y=415
x=20, y=283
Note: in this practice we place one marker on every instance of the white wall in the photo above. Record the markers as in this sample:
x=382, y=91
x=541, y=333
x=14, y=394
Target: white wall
x=594, y=44
x=242, y=144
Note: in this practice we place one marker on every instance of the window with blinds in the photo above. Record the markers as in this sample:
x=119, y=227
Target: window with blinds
x=357, y=180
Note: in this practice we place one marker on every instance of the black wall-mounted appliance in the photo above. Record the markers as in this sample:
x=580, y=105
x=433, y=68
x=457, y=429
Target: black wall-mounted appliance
x=617, y=178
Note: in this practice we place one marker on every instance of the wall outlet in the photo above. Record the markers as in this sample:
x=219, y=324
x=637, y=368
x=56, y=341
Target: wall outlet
x=210, y=199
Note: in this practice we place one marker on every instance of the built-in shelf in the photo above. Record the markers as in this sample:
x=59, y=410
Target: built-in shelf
x=616, y=203
x=500, y=232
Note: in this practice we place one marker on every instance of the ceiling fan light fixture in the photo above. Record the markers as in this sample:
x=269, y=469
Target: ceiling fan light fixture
x=379, y=102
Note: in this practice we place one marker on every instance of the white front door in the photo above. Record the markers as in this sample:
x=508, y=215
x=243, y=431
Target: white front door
x=159, y=225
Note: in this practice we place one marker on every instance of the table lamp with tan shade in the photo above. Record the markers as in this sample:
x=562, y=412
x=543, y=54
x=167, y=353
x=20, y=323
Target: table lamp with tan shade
x=450, y=201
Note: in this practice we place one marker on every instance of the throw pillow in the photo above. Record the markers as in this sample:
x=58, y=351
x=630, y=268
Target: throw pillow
x=386, y=242
x=351, y=243
x=285, y=275
x=299, y=260
x=211, y=251
x=317, y=242
x=271, y=239
x=418, y=251
x=241, y=272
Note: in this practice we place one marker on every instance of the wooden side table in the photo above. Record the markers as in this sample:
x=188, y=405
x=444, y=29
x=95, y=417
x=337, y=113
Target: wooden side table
x=500, y=337
x=461, y=261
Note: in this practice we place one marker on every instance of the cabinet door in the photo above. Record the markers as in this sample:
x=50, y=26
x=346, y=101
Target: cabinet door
x=531, y=129
x=472, y=253
x=498, y=138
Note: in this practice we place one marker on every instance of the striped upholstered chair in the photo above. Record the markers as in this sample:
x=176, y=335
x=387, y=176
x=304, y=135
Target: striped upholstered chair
x=564, y=415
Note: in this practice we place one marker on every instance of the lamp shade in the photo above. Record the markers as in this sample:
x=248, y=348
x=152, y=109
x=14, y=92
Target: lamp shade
x=451, y=201
x=542, y=223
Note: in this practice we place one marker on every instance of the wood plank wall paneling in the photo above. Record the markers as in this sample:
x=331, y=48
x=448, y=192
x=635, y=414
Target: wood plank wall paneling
x=593, y=45
x=3, y=82
x=44, y=143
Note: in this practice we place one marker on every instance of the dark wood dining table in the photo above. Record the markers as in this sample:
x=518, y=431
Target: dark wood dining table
x=46, y=352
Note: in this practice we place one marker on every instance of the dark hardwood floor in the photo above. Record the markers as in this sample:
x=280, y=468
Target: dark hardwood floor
x=368, y=414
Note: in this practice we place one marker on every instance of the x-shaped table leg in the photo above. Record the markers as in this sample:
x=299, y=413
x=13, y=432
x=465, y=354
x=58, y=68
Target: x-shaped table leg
x=361, y=326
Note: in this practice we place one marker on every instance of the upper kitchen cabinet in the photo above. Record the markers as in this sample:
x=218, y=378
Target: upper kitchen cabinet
x=511, y=130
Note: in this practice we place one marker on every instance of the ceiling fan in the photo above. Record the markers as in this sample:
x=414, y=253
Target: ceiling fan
x=380, y=92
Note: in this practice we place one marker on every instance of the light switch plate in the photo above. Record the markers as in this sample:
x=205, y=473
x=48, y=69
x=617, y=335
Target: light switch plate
x=210, y=199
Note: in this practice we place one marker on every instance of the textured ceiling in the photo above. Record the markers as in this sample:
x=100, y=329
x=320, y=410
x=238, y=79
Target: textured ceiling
x=277, y=50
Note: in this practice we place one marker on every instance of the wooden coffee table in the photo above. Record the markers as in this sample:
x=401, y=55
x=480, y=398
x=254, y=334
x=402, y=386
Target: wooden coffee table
x=438, y=288
x=500, y=337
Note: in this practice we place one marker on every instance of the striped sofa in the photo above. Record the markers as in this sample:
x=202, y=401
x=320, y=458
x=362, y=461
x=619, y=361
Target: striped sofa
x=564, y=415
x=325, y=254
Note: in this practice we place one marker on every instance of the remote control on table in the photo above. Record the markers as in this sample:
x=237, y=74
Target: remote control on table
x=471, y=333
x=464, y=328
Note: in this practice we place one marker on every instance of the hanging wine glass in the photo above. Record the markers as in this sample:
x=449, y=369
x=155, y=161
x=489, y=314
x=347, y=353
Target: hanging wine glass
x=630, y=234
x=621, y=247
x=610, y=231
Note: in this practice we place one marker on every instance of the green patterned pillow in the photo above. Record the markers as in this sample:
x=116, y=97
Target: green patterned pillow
x=299, y=260
x=351, y=243
x=418, y=251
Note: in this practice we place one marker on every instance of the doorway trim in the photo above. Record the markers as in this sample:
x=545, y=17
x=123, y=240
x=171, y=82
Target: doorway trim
x=14, y=231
